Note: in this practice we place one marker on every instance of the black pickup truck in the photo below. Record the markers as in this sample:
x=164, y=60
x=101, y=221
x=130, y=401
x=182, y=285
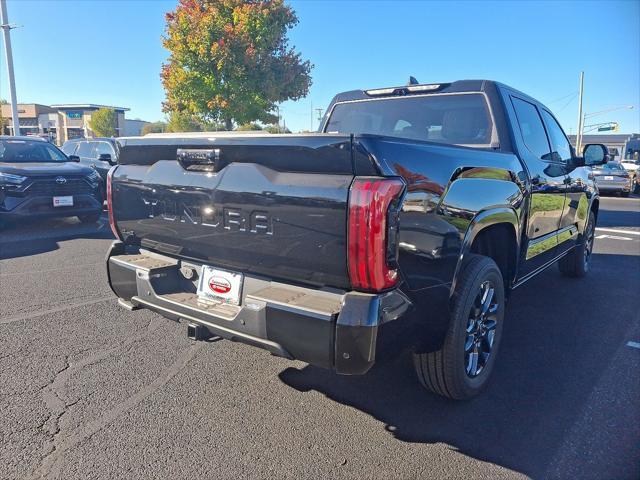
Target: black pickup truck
x=404, y=223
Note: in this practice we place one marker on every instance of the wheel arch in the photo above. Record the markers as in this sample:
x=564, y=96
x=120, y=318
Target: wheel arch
x=496, y=223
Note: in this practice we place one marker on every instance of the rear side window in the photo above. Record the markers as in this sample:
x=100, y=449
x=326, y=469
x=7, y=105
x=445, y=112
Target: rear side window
x=69, y=148
x=560, y=149
x=85, y=149
x=533, y=134
x=461, y=119
x=104, y=147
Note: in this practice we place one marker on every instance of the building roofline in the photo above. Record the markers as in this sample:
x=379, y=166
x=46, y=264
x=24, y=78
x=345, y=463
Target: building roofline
x=612, y=137
x=63, y=106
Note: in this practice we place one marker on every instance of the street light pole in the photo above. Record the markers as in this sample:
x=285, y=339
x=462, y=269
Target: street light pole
x=580, y=118
x=6, y=28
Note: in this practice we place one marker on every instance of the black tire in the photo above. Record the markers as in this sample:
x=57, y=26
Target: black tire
x=92, y=218
x=448, y=371
x=636, y=185
x=577, y=262
x=625, y=194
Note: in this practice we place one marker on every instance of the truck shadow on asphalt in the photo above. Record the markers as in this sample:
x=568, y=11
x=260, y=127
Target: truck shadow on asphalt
x=553, y=351
x=620, y=218
x=33, y=238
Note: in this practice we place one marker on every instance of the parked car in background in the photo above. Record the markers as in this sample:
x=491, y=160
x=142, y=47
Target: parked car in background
x=612, y=177
x=405, y=223
x=98, y=153
x=632, y=165
x=38, y=180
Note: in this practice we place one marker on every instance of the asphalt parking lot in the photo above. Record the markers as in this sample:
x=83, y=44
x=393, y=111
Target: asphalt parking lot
x=89, y=390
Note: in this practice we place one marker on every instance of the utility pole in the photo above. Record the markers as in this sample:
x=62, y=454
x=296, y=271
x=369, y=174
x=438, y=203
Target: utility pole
x=6, y=28
x=319, y=110
x=311, y=118
x=580, y=118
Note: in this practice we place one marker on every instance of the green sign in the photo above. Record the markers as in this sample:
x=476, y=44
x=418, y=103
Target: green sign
x=607, y=128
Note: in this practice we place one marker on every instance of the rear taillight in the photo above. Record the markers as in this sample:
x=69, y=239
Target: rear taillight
x=371, y=237
x=112, y=221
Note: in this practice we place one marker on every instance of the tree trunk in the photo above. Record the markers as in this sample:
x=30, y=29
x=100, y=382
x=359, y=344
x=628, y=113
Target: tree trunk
x=228, y=124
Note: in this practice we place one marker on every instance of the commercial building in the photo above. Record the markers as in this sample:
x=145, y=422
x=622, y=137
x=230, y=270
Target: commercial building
x=616, y=143
x=133, y=128
x=58, y=122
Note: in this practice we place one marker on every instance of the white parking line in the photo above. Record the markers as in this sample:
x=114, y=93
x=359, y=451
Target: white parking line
x=614, y=237
x=633, y=345
x=59, y=308
x=613, y=230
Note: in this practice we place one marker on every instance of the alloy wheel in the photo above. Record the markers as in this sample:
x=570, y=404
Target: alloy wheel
x=481, y=329
x=588, y=246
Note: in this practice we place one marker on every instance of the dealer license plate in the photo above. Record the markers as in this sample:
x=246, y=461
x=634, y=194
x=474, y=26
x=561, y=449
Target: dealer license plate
x=63, y=201
x=220, y=285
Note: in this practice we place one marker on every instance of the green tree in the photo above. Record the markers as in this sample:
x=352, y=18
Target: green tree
x=3, y=121
x=103, y=122
x=230, y=60
x=277, y=129
x=183, y=122
x=249, y=127
x=154, y=127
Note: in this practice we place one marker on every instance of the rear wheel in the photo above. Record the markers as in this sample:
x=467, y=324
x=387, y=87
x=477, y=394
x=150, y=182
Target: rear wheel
x=577, y=262
x=93, y=218
x=461, y=369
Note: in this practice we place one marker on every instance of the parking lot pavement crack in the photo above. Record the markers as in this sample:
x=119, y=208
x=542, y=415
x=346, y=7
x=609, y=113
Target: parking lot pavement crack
x=52, y=397
x=52, y=463
x=53, y=393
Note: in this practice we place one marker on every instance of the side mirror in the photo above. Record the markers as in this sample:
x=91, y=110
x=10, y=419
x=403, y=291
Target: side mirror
x=74, y=158
x=595, y=154
x=106, y=157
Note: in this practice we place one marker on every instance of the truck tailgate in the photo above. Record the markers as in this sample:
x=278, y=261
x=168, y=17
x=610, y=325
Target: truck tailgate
x=273, y=206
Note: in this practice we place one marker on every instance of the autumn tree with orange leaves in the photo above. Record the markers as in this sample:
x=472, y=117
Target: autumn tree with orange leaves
x=230, y=60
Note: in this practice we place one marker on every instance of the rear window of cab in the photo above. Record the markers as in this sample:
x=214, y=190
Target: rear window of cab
x=455, y=119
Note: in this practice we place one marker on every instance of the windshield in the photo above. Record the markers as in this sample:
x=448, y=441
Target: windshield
x=24, y=151
x=611, y=166
x=454, y=119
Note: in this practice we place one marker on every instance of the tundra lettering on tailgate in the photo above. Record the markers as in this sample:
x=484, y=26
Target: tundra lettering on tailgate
x=234, y=219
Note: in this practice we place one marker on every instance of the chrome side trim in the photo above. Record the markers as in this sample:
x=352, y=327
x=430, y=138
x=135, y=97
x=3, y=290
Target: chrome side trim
x=550, y=240
x=541, y=269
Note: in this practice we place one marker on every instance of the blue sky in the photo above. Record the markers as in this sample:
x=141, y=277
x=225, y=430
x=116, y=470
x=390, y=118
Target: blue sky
x=109, y=52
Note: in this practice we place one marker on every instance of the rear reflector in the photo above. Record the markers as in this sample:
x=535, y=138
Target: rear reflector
x=112, y=221
x=372, y=200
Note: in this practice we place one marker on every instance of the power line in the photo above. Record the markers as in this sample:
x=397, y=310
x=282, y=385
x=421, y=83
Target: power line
x=568, y=102
x=563, y=97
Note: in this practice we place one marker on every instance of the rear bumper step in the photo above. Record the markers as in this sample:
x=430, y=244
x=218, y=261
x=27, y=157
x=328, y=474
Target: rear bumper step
x=332, y=329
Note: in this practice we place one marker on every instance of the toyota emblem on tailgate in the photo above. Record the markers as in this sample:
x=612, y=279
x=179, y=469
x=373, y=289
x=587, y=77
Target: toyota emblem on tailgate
x=61, y=180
